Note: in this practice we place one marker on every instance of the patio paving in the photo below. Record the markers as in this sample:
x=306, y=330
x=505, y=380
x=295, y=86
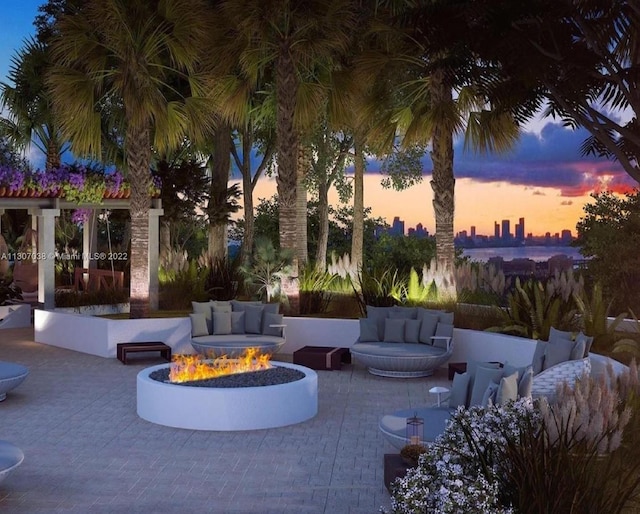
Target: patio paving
x=86, y=450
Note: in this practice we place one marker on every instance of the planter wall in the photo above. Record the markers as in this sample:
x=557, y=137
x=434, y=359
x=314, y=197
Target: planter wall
x=99, y=336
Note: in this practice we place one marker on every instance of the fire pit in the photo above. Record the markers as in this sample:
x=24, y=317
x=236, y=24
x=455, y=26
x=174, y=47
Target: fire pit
x=227, y=408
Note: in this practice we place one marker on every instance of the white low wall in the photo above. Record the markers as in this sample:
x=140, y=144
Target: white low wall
x=15, y=316
x=332, y=332
x=99, y=336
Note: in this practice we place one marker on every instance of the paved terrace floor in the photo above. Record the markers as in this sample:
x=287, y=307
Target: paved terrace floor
x=87, y=451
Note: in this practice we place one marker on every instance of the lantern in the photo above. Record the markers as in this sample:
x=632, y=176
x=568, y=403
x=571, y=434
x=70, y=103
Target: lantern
x=415, y=429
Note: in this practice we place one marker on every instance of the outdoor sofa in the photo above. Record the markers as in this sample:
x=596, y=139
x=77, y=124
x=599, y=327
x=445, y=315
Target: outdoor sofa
x=404, y=342
x=562, y=359
x=229, y=328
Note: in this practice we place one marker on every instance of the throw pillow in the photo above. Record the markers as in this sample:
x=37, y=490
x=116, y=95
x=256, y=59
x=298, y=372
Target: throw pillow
x=459, y=390
x=525, y=384
x=368, y=330
x=588, y=341
x=577, y=352
x=272, y=319
x=443, y=334
x=198, y=325
x=537, y=362
x=508, y=389
x=412, y=331
x=555, y=335
x=379, y=314
x=428, y=325
x=204, y=308
x=269, y=308
x=557, y=352
x=239, y=305
x=445, y=317
x=253, y=319
x=394, y=330
x=221, y=323
x=403, y=312
x=221, y=306
x=483, y=377
x=237, y=322
x=489, y=396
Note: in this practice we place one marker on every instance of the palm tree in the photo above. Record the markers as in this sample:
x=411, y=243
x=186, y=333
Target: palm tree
x=287, y=42
x=30, y=118
x=126, y=56
x=428, y=112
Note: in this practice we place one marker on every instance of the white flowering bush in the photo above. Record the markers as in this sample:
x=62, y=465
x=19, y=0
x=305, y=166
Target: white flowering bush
x=459, y=472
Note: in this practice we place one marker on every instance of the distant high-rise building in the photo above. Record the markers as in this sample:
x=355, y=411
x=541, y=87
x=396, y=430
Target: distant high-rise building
x=463, y=234
x=421, y=231
x=496, y=230
x=519, y=230
x=506, y=230
x=473, y=231
x=397, y=227
x=565, y=236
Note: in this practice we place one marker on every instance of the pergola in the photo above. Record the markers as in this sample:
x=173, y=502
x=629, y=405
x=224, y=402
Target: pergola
x=43, y=213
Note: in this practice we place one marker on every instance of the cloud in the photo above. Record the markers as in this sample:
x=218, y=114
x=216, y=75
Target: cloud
x=550, y=159
x=536, y=192
x=566, y=202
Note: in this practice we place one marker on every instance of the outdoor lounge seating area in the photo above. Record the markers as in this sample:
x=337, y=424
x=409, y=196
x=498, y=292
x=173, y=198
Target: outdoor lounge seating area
x=76, y=409
x=229, y=328
x=404, y=342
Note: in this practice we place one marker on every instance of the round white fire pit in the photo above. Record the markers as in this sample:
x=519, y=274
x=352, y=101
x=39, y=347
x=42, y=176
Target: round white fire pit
x=225, y=409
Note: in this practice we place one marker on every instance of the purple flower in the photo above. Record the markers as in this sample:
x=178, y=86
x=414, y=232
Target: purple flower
x=80, y=216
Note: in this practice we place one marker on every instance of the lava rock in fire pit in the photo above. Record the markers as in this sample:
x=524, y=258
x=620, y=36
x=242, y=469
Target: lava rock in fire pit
x=266, y=377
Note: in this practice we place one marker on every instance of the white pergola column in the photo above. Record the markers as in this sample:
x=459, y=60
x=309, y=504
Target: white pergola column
x=154, y=257
x=46, y=223
x=90, y=240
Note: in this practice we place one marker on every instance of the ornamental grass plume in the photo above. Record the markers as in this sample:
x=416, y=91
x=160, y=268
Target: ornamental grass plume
x=585, y=456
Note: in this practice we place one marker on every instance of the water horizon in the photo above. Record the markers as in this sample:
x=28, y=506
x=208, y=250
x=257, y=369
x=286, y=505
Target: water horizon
x=535, y=253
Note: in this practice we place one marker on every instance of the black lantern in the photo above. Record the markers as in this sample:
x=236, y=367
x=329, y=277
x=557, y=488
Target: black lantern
x=415, y=429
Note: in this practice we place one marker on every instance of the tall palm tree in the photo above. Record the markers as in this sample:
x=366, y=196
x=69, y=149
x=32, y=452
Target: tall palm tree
x=30, y=118
x=126, y=56
x=286, y=41
x=427, y=110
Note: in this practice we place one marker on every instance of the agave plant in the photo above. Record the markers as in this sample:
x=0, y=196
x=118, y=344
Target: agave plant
x=532, y=309
x=380, y=288
x=594, y=317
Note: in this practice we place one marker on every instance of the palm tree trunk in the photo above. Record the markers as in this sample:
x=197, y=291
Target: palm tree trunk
x=138, y=154
x=303, y=165
x=443, y=182
x=323, y=225
x=53, y=155
x=220, y=168
x=247, y=197
x=357, y=237
x=287, y=144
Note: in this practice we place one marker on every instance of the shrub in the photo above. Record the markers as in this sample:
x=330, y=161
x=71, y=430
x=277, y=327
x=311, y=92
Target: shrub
x=315, y=290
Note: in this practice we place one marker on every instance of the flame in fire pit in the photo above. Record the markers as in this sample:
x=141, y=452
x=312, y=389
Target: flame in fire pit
x=187, y=368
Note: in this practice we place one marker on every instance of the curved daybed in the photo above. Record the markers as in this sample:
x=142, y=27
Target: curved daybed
x=229, y=328
x=404, y=342
x=562, y=359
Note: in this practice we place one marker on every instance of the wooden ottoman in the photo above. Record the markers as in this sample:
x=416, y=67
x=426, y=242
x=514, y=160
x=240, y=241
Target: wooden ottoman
x=322, y=357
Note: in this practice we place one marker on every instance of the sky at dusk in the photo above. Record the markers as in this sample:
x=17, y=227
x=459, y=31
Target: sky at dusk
x=543, y=179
